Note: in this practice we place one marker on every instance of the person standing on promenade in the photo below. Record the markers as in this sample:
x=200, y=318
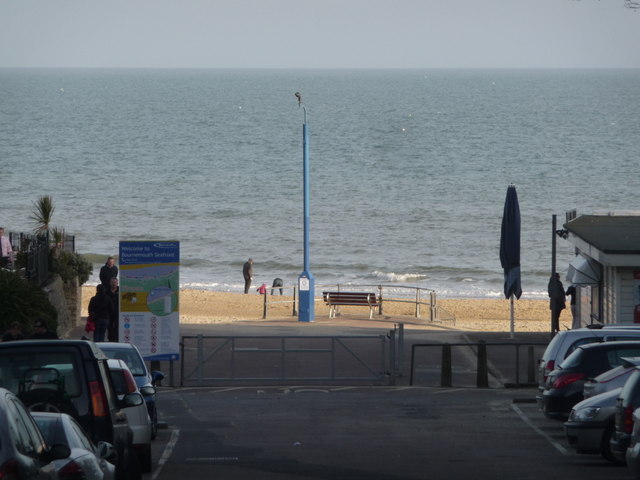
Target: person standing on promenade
x=100, y=309
x=557, y=301
x=277, y=283
x=107, y=272
x=247, y=273
x=571, y=292
x=113, y=330
x=6, y=251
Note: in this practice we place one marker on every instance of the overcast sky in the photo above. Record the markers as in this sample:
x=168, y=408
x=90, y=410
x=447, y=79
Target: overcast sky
x=319, y=33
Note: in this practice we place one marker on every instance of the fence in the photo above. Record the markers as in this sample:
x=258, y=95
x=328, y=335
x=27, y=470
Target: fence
x=509, y=373
x=35, y=249
x=386, y=294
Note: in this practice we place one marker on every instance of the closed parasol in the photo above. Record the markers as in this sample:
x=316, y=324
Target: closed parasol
x=510, y=248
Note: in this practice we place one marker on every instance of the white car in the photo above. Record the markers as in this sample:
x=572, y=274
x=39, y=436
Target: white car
x=137, y=416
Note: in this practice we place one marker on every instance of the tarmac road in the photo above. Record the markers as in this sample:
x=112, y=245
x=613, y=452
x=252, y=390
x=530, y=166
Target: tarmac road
x=369, y=433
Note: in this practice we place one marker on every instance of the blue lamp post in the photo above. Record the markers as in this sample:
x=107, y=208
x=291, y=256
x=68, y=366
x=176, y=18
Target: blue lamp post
x=306, y=282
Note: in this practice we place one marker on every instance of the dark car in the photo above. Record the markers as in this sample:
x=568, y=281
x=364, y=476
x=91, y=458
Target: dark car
x=72, y=376
x=145, y=380
x=628, y=401
x=24, y=453
x=86, y=460
x=564, y=385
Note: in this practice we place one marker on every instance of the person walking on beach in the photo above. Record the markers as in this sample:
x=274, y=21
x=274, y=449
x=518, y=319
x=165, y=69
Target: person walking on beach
x=262, y=289
x=277, y=282
x=113, y=292
x=100, y=309
x=557, y=301
x=107, y=272
x=6, y=251
x=247, y=273
x=571, y=292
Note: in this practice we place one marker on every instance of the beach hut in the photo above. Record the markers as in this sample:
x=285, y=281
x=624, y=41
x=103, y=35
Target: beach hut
x=606, y=269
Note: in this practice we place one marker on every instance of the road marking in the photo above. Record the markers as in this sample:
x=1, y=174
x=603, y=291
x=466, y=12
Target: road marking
x=168, y=450
x=526, y=420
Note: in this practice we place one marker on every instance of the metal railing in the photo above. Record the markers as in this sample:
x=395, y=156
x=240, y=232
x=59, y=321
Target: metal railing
x=395, y=294
x=483, y=367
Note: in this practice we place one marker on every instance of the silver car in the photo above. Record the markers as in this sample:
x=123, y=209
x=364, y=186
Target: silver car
x=591, y=424
x=614, y=378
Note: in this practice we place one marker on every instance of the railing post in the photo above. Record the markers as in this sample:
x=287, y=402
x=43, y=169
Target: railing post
x=295, y=310
x=264, y=307
x=380, y=299
x=482, y=378
x=445, y=368
x=400, y=349
x=433, y=310
x=417, y=303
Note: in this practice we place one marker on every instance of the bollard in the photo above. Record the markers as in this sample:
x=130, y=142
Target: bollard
x=531, y=369
x=264, y=308
x=482, y=378
x=393, y=360
x=445, y=372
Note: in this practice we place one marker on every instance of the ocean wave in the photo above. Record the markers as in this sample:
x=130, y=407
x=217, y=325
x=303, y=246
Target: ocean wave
x=398, y=277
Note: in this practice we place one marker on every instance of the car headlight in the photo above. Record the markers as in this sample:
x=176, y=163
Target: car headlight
x=584, y=414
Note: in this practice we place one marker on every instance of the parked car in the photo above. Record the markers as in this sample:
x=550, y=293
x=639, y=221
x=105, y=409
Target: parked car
x=24, y=453
x=632, y=454
x=72, y=376
x=146, y=381
x=137, y=415
x=591, y=423
x=564, y=385
x=614, y=378
x=86, y=460
x=566, y=341
x=628, y=401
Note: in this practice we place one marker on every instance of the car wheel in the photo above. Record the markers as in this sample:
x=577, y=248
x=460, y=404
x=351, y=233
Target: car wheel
x=605, y=446
x=145, y=460
x=134, y=472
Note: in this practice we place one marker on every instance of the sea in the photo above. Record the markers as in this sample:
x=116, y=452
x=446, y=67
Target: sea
x=408, y=169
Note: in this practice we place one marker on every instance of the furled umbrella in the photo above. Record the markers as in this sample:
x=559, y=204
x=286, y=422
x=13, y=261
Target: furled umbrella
x=510, y=249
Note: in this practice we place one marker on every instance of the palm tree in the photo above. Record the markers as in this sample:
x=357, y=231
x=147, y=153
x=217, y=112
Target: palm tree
x=42, y=214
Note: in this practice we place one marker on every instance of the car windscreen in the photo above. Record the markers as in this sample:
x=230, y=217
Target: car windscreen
x=572, y=360
x=130, y=357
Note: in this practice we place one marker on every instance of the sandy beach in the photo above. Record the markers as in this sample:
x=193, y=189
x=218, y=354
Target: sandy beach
x=491, y=315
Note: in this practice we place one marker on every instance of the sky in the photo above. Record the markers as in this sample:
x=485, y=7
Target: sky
x=319, y=34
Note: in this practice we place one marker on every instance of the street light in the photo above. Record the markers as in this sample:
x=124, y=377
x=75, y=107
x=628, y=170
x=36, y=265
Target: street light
x=306, y=282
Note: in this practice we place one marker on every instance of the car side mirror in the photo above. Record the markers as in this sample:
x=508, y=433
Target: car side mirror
x=57, y=452
x=156, y=377
x=148, y=391
x=106, y=451
x=132, y=400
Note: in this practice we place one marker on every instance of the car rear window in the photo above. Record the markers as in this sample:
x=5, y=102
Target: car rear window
x=24, y=371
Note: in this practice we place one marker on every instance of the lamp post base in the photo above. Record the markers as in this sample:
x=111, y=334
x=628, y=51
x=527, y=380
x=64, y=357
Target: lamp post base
x=306, y=287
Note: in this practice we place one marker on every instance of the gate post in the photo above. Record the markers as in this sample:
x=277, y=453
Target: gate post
x=445, y=368
x=392, y=357
x=482, y=378
x=199, y=358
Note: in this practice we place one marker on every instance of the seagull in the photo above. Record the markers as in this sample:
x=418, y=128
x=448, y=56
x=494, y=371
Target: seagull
x=299, y=97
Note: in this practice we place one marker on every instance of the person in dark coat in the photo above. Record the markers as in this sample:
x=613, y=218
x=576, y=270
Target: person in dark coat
x=100, y=309
x=13, y=333
x=107, y=272
x=113, y=293
x=571, y=292
x=277, y=282
x=247, y=273
x=41, y=331
x=557, y=301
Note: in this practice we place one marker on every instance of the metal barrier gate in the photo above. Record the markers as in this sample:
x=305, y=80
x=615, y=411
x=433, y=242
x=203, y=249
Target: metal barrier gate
x=209, y=360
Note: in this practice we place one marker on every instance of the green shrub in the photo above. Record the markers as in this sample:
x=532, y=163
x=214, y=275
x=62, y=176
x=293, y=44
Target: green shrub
x=22, y=302
x=69, y=265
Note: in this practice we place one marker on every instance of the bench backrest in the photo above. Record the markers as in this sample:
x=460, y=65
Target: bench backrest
x=350, y=298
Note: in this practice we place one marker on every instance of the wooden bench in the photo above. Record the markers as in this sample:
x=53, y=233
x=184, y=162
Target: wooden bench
x=335, y=299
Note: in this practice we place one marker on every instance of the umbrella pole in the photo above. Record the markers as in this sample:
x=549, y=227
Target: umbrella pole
x=512, y=315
